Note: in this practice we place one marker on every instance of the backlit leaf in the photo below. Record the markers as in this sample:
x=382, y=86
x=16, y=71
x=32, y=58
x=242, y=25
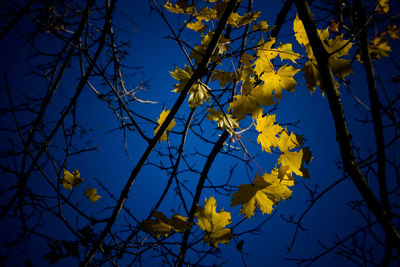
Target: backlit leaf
x=383, y=6
x=265, y=192
x=281, y=79
x=286, y=52
x=71, y=179
x=239, y=21
x=196, y=26
x=224, y=121
x=300, y=32
x=181, y=7
x=91, y=194
x=261, y=26
x=197, y=93
x=160, y=121
x=291, y=160
x=337, y=47
x=223, y=77
x=269, y=131
x=393, y=31
x=162, y=225
x=244, y=104
x=213, y=223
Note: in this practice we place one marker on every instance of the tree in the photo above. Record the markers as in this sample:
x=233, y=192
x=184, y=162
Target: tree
x=226, y=113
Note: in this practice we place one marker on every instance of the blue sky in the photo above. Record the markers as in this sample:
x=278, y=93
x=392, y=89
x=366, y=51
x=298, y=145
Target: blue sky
x=157, y=55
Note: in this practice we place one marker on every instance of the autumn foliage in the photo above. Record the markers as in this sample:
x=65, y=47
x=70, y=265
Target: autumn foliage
x=237, y=73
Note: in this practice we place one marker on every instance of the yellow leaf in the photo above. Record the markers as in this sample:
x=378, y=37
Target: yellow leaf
x=263, y=64
x=311, y=74
x=207, y=14
x=160, y=121
x=268, y=131
x=383, y=6
x=261, y=26
x=91, y=194
x=393, y=31
x=196, y=26
x=264, y=48
x=199, y=50
x=265, y=192
x=162, y=225
x=337, y=47
x=340, y=67
x=181, y=7
x=264, y=94
x=338, y=44
x=197, y=93
x=213, y=223
x=181, y=75
x=239, y=21
x=71, y=179
x=244, y=104
x=289, y=142
x=300, y=32
x=379, y=47
x=224, y=121
x=247, y=59
x=286, y=52
x=223, y=77
x=281, y=79
x=292, y=161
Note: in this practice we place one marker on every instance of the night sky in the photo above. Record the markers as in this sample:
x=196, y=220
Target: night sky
x=156, y=55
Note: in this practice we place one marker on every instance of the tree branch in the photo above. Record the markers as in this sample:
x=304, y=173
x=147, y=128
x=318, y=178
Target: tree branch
x=343, y=136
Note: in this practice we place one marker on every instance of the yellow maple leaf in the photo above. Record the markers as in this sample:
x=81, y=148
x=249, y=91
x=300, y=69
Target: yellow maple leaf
x=263, y=64
x=71, y=179
x=393, y=31
x=337, y=47
x=181, y=7
x=268, y=130
x=261, y=26
x=239, y=21
x=199, y=50
x=160, y=121
x=286, y=52
x=292, y=161
x=223, y=77
x=379, y=47
x=281, y=79
x=311, y=74
x=383, y=6
x=244, y=104
x=162, y=225
x=263, y=93
x=207, y=14
x=91, y=194
x=213, y=223
x=197, y=93
x=300, y=32
x=224, y=121
x=197, y=26
x=265, y=192
x=288, y=142
x=340, y=46
x=182, y=76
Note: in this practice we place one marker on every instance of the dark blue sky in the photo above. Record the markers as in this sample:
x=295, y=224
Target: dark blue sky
x=159, y=55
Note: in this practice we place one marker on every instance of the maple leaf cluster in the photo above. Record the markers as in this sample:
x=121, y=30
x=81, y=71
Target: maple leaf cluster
x=74, y=179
